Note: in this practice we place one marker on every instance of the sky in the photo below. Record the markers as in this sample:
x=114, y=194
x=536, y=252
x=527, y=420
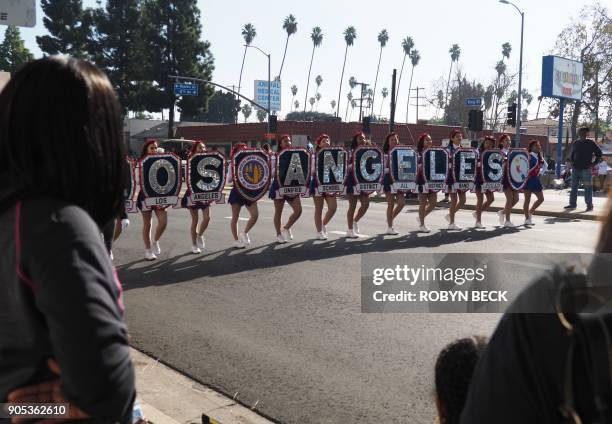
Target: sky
x=479, y=27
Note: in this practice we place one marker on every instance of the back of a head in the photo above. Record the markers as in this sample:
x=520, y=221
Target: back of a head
x=453, y=373
x=61, y=136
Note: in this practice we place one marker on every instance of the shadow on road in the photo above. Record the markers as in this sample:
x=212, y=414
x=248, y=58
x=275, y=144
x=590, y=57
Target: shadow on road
x=139, y=274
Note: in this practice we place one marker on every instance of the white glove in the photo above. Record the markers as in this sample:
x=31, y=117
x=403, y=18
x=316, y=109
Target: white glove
x=124, y=224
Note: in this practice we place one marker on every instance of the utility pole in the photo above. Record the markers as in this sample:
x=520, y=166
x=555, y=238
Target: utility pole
x=361, y=98
x=392, y=117
x=417, y=102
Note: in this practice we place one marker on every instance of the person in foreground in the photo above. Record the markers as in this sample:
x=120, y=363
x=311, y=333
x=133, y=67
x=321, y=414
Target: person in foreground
x=453, y=373
x=536, y=371
x=61, y=140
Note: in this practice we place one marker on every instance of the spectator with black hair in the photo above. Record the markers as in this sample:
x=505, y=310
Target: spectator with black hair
x=453, y=374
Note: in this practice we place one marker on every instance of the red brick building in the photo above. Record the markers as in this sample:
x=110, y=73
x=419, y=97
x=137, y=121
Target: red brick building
x=223, y=136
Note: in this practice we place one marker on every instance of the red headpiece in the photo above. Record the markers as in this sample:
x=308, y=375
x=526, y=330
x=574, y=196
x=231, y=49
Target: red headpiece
x=502, y=137
x=531, y=144
x=359, y=133
x=194, y=146
x=423, y=136
x=320, y=138
x=454, y=132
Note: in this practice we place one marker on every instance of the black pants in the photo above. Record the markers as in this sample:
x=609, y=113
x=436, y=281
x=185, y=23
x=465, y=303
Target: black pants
x=108, y=231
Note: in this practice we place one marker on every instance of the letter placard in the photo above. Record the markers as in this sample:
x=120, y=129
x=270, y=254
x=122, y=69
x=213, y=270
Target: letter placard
x=517, y=168
x=130, y=189
x=160, y=179
x=367, y=169
x=435, y=168
x=206, y=178
x=464, y=169
x=492, y=169
x=251, y=169
x=293, y=172
x=331, y=170
x=403, y=168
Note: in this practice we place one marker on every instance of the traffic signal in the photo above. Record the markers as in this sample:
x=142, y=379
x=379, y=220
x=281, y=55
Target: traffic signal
x=273, y=123
x=479, y=120
x=511, y=115
x=472, y=120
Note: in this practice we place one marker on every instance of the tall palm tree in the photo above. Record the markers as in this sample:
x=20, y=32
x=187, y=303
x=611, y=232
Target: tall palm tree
x=317, y=38
x=407, y=45
x=414, y=59
x=294, y=91
x=318, y=81
x=312, y=102
x=333, y=104
x=455, y=52
x=349, y=37
x=289, y=25
x=383, y=37
x=349, y=97
x=500, y=68
x=246, y=111
x=506, y=49
x=318, y=97
x=248, y=33
x=296, y=104
x=385, y=93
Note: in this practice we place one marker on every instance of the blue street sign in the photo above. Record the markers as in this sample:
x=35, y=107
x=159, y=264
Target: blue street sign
x=185, y=89
x=474, y=102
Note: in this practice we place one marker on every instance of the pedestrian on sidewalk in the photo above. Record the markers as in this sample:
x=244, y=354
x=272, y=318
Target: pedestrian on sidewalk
x=537, y=166
x=61, y=308
x=321, y=222
x=152, y=248
x=581, y=158
x=284, y=234
x=482, y=205
x=395, y=201
x=198, y=243
x=602, y=175
x=512, y=196
x=427, y=198
x=457, y=197
x=237, y=201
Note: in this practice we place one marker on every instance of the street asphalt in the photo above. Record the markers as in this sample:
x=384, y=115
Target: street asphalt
x=280, y=328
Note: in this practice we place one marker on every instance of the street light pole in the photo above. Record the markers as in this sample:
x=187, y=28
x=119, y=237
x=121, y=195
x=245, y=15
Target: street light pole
x=269, y=82
x=520, y=84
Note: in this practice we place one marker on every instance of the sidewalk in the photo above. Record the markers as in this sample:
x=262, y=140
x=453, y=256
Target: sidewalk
x=554, y=202
x=169, y=397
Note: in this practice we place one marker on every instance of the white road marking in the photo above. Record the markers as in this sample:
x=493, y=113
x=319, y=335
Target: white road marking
x=239, y=218
x=343, y=233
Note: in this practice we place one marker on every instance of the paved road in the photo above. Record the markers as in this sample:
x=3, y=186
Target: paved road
x=281, y=325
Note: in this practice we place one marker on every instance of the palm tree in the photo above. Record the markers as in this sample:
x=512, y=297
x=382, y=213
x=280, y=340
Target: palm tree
x=349, y=37
x=506, y=49
x=500, y=68
x=261, y=115
x=317, y=38
x=349, y=97
x=248, y=33
x=289, y=25
x=333, y=104
x=318, y=97
x=296, y=104
x=455, y=52
x=353, y=105
x=383, y=37
x=385, y=93
x=246, y=111
x=407, y=45
x=318, y=81
x=414, y=59
x=312, y=102
x=293, y=92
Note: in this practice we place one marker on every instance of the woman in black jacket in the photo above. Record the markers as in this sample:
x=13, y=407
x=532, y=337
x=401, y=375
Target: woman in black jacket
x=61, y=144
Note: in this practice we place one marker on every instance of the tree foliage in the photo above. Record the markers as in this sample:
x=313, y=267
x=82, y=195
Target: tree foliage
x=13, y=53
x=68, y=26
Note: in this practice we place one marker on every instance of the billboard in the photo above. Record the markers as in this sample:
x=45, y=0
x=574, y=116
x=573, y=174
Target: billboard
x=261, y=94
x=561, y=78
x=18, y=13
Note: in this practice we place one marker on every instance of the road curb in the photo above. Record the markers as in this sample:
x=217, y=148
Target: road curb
x=170, y=396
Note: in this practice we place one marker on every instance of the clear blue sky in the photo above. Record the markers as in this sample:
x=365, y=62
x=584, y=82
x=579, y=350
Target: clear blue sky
x=480, y=27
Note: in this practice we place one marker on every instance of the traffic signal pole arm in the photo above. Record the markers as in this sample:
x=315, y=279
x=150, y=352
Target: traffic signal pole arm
x=176, y=77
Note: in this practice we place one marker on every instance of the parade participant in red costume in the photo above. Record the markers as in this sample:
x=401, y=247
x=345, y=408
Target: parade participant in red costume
x=537, y=165
x=457, y=198
x=512, y=196
x=197, y=234
x=283, y=235
x=237, y=201
x=358, y=140
x=395, y=201
x=152, y=249
x=427, y=198
x=332, y=205
x=481, y=204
